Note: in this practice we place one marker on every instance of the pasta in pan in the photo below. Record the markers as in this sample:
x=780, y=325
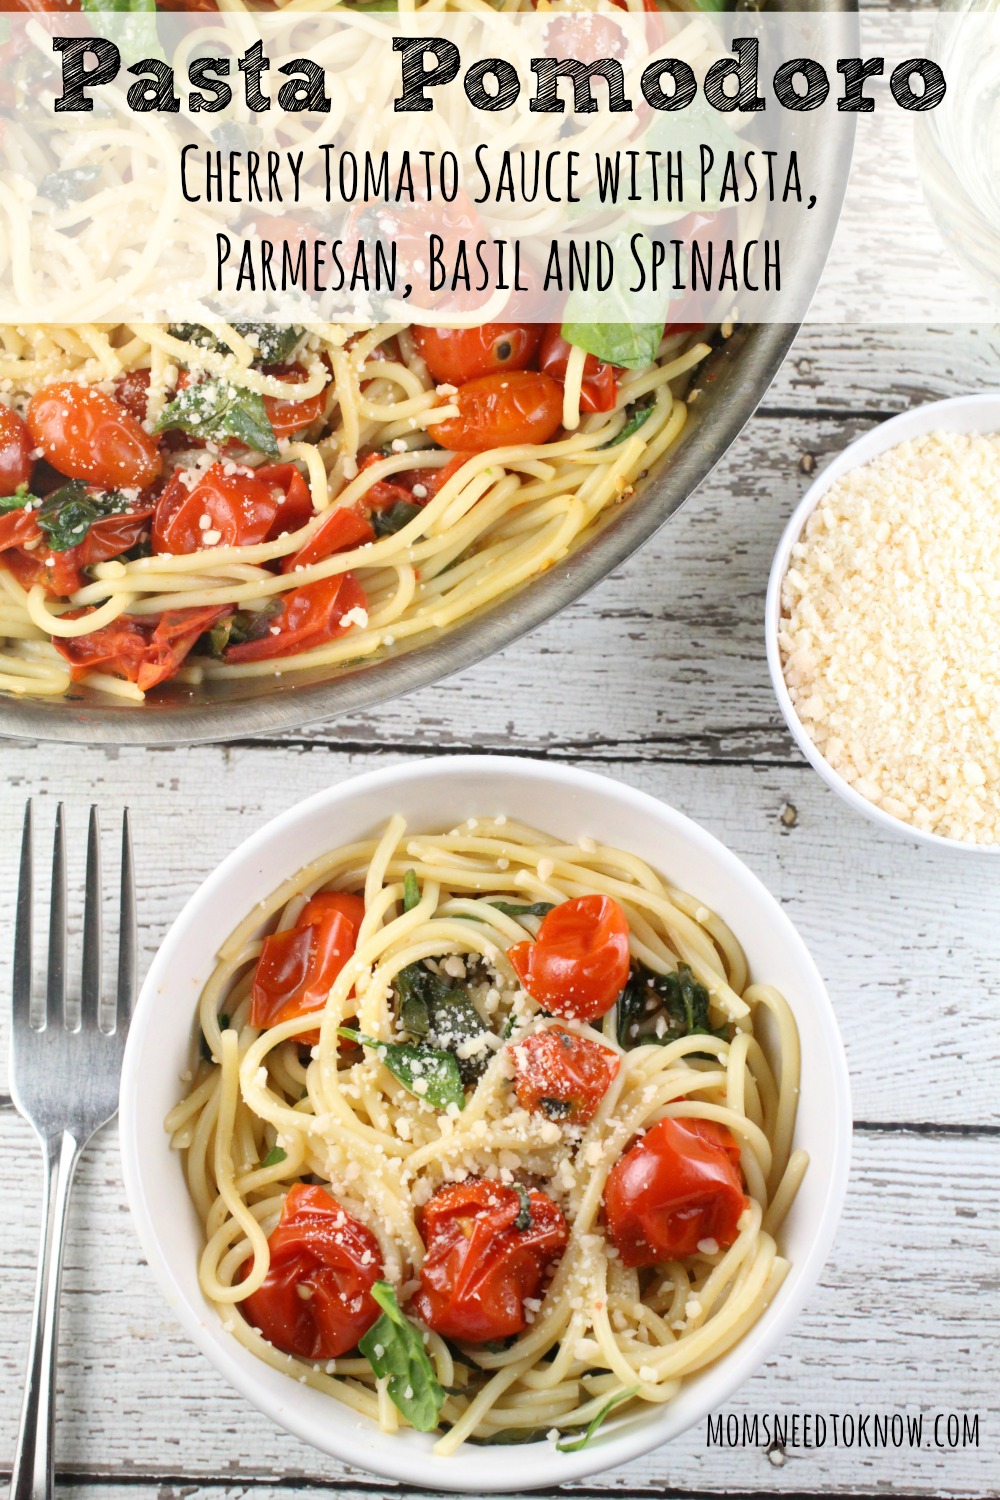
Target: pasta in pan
x=489, y=1134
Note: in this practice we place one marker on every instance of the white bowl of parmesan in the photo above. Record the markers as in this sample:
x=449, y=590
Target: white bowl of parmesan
x=883, y=624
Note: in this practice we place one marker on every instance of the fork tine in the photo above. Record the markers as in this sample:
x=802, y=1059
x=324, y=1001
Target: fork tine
x=90, y=988
x=21, y=1012
x=127, y=942
x=55, y=997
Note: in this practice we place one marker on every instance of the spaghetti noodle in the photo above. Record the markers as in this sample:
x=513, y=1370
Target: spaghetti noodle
x=366, y=1093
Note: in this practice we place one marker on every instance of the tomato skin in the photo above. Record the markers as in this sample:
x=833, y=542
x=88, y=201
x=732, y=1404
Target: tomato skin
x=28, y=556
x=15, y=451
x=320, y=1247
x=479, y=1268
x=132, y=392
x=87, y=435
x=136, y=649
x=599, y=388
x=678, y=1185
x=321, y=905
x=310, y=616
x=562, y=1075
x=345, y=527
x=456, y=355
x=297, y=967
x=243, y=508
x=498, y=411
x=287, y=417
x=579, y=964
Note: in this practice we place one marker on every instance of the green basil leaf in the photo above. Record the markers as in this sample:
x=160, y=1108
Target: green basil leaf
x=388, y=522
x=638, y=415
x=427, y=1072
x=274, y=1156
x=430, y=1007
x=68, y=184
x=395, y=1350
x=68, y=513
x=411, y=891
x=575, y=1444
x=511, y=909
x=218, y=409
x=631, y=345
x=274, y=342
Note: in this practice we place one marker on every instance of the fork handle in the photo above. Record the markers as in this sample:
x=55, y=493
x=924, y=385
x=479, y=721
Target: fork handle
x=32, y=1474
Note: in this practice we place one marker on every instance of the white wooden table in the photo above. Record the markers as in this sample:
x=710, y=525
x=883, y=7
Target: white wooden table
x=659, y=678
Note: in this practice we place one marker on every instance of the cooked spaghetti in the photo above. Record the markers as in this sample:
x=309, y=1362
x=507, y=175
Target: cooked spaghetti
x=189, y=505
x=488, y=1134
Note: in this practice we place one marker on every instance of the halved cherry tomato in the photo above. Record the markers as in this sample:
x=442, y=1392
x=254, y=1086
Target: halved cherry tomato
x=87, y=435
x=345, y=527
x=562, y=1075
x=132, y=392
x=321, y=905
x=315, y=1300
x=460, y=354
x=61, y=573
x=599, y=389
x=287, y=417
x=297, y=967
x=500, y=410
x=578, y=965
x=479, y=1266
x=136, y=649
x=230, y=509
x=15, y=451
x=678, y=1186
x=310, y=616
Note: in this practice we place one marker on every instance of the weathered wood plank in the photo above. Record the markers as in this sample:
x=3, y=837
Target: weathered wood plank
x=907, y=1319
x=883, y=369
x=902, y=935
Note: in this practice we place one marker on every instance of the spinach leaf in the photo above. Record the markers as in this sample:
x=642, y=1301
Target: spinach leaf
x=388, y=522
x=677, y=998
x=430, y=1007
x=68, y=184
x=428, y=1072
x=523, y=1220
x=575, y=1444
x=219, y=409
x=244, y=625
x=68, y=513
x=638, y=414
x=510, y=1437
x=395, y=1350
x=203, y=1040
x=273, y=1157
x=274, y=341
x=631, y=345
x=555, y=1109
x=411, y=891
x=511, y=909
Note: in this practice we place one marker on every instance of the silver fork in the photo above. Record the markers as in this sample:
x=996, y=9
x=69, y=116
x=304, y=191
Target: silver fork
x=64, y=1076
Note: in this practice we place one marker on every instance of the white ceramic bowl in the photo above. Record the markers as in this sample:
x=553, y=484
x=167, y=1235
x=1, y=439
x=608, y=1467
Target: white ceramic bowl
x=959, y=414
x=432, y=795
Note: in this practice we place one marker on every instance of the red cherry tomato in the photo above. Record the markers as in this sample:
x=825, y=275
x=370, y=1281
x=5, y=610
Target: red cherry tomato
x=680, y=1184
x=87, y=435
x=479, y=1266
x=15, y=451
x=61, y=573
x=322, y=905
x=224, y=509
x=497, y=411
x=345, y=527
x=578, y=966
x=315, y=1300
x=599, y=390
x=136, y=649
x=297, y=967
x=132, y=392
x=287, y=417
x=460, y=354
x=310, y=616
x=562, y=1075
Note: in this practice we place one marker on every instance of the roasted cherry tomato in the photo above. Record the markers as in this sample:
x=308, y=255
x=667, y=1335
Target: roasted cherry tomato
x=297, y=967
x=230, y=509
x=498, y=411
x=287, y=417
x=136, y=649
x=61, y=573
x=488, y=1248
x=460, y=354
x=310, y=616
x=346, y=526
x=322, y=905
x=562, y=1075
x=15, y=451
x=132, y=392
x=87, y=435
x=315, y=1300
x=677, y=1187
x=599, y=389
x=578, y=965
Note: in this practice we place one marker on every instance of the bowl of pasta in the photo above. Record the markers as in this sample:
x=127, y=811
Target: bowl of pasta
x=449, y=1119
